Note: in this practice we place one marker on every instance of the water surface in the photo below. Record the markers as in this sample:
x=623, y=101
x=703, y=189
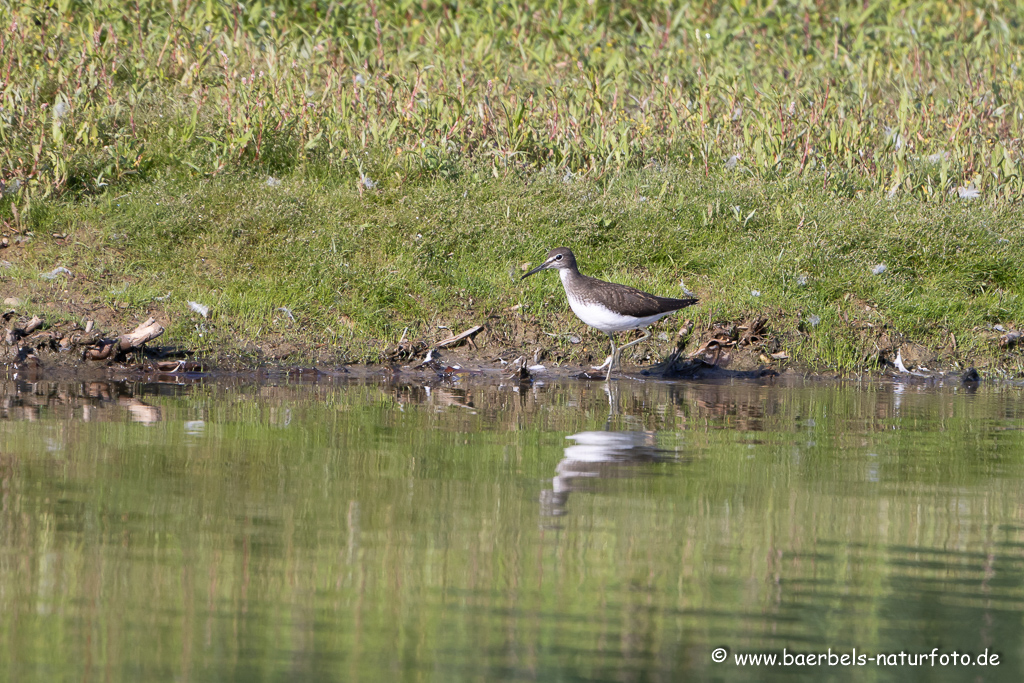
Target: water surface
x=371, y=530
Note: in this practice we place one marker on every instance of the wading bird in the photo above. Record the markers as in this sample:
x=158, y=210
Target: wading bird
x=608, y=306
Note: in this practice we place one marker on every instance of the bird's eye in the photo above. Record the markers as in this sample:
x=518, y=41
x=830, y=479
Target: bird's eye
x=558, y=258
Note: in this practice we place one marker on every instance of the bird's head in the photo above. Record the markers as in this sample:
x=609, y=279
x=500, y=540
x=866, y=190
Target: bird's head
x=556, y=258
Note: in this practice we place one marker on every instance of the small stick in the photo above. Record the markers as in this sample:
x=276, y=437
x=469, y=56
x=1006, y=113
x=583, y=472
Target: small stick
x=145, y=332
x=102, y=352
x=32, y=325
x=16, y=333
x=451, y=341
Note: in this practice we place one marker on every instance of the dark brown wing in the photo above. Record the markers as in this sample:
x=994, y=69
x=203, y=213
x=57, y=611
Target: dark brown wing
x=631, y=301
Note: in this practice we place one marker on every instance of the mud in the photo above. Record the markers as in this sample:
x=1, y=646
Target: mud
x=508, y=343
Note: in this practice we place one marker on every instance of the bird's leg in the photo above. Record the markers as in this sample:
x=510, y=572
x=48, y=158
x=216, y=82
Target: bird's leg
x=647, y=335
x=607, y=360
x=611, y=358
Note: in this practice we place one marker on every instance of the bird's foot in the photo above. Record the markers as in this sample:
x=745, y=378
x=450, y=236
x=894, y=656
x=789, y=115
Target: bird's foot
x=607, y=363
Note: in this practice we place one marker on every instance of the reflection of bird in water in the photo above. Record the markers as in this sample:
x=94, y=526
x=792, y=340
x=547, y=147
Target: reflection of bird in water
x=599, y=455
x=139, y=411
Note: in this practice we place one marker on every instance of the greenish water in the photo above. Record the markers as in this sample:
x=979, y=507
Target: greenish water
x=365, y=531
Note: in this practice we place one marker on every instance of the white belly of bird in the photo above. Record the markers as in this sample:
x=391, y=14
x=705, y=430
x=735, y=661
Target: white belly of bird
x=607, y=320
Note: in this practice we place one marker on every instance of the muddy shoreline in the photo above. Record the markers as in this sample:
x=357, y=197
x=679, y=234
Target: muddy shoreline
x=510, y=345
x=452, y=367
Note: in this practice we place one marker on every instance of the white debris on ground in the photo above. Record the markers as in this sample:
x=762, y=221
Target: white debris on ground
x=199, y=308
x=55, y=273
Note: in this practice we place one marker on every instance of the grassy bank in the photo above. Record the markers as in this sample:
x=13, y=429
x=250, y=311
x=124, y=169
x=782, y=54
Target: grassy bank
x=333, y=176
x=314, y=262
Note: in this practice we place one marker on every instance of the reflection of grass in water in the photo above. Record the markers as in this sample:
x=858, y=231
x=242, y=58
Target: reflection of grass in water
x=323, y=529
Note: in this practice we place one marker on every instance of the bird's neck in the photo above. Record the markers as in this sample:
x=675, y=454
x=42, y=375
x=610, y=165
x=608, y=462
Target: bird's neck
x=568, y=275
x=573, y=282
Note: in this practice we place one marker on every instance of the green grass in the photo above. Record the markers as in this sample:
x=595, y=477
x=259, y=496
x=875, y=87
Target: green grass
x=913, y=98
x=356, y=270
x=424, y=151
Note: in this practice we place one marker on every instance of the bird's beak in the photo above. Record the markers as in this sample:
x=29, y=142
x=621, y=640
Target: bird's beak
x=535, y=270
